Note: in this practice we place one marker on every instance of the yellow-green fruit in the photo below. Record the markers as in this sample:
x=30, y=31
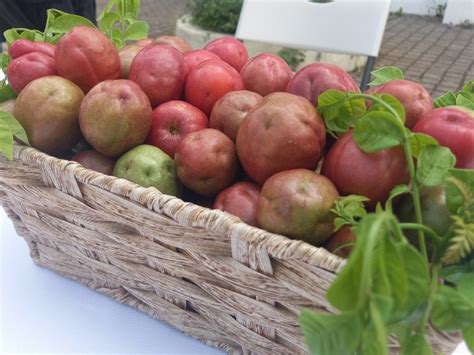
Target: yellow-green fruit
x=149, y=166
x=48, y=110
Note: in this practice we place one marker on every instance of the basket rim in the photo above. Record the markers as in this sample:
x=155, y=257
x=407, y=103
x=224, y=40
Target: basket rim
x=276, y=245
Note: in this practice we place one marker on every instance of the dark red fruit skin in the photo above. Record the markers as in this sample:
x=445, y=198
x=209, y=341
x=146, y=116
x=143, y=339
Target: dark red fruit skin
x=206, y=161
x=28, y=67
x=266, y=73
x=413, y=96
x=241, y=200
x=282, y=132
x=86, y=56
x=209, y=81
x=231, y=109
x=161, y=73
x=171, y=122
x=452, y=127
x=194, y=58
x=314, y=79
x=94, y=160
x=24, y=46
x=230, y=50
x=343, y=236
x=368, y=174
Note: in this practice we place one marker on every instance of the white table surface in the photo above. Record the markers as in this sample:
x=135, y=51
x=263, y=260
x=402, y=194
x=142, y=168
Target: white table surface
x=42, y=312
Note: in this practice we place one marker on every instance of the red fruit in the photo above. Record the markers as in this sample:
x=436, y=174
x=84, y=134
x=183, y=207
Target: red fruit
x=171, y=122
x=94, y=160
x=241, y=200
x=452, y=127
x=297, y=203
x=344, y=236
x=206, y=161
x=160, y=72
x=115, y=116
x=24, y=46
x=177, y=42
x=230, y=111
x=368, y=174
x=282, y=132
x=314, y=79
x=209, y=81
x=230, y=50
x=196, y=57
x=266, y=73
x=415, y=98
x=86, y=56
x=29, y=67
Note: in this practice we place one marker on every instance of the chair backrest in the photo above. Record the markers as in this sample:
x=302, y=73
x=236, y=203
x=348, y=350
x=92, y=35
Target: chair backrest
x=341, y=26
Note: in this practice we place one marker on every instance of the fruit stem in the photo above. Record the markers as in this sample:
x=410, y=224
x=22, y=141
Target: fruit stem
x=411, y=169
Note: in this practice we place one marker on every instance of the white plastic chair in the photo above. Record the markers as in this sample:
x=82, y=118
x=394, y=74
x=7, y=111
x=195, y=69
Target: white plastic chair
x=341, y=26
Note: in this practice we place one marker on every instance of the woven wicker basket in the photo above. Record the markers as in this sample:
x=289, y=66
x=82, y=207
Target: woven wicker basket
x=202, y=271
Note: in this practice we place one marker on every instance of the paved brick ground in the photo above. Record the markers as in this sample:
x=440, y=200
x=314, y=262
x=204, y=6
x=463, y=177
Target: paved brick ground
x=437, y=55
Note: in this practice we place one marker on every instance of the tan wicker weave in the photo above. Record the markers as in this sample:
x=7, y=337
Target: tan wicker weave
x=202, y=271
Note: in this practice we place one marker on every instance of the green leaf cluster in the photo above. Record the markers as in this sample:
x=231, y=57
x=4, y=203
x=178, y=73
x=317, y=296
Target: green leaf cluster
x=464, y=98
x=119, y=21
x=386, y=74
x=216, y=15
x=388, y=286
x=10, y=128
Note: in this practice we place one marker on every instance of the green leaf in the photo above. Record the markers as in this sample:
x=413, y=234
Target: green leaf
x=468, y=335
x=66, y=22
x=415, y=344
x=469, y=86
x=386, y=74
x=397, y=191
x=453, y=273
x=447, y=99
x=330, y=102
x=6, y=140
x=465, y=285
x=373, y=342
x=108, y=21
x=451, y=310
x=331, y=334
x=107, y=9
x=14, y=126
x=420, y=140
x=4, y=61
x=433, y=164
x=459, y=189
x=348, y=210
x=465, y=101
x=390, y=100
x=418, y=280
x=340, y=111
x=6, y=93
x=376, y=131
x=137, y=30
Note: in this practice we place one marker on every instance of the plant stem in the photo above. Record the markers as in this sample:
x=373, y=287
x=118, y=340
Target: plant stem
x=433, y=288
x=429, y=232
x=411, y=170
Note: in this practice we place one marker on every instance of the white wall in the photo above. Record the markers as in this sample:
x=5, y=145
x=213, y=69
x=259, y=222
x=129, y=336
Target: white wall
x=417, y=7
x=459, y=11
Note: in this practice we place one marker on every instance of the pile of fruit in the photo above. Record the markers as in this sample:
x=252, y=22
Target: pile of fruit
x=301, y=154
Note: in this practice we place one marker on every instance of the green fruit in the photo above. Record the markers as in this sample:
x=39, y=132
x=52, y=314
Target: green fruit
x=149, y=166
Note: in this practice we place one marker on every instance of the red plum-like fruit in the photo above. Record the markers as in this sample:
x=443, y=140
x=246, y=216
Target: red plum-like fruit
x=297, y=203
x=282, y=132
x=231, y=109
x=115, y=116
x=241, y=200
x=86, y=56
x=230, y=50
x=171, y=122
